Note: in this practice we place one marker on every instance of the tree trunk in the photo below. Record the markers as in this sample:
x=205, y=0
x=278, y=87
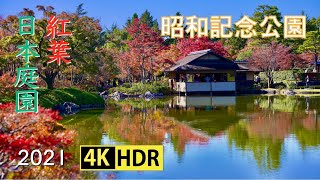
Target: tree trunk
x=49, y=77
x=315, y=61
x=143, y=73
x=269, y=81
x=71, y=77
x=50, y=82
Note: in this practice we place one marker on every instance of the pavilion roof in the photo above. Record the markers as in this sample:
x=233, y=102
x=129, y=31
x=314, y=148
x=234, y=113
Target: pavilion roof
x=244, y=65
x=204, y=60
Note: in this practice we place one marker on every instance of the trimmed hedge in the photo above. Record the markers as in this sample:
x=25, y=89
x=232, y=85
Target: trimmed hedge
x=139, y=88
x=282, y=79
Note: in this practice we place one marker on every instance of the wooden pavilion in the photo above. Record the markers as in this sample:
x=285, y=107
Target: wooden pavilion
x=206, y=71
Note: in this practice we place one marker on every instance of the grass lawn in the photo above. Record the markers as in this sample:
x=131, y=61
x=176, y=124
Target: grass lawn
x=307, y=90
x=50, y=98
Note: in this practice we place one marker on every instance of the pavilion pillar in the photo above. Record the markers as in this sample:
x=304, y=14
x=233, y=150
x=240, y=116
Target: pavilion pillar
x=185, y=94
x=210, y=88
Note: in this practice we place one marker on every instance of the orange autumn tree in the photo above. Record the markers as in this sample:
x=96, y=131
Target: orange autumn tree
x=144, y=44
x=127, y=66
x=167, y=57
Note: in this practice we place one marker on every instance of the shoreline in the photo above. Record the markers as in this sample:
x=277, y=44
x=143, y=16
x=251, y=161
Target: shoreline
x=292, y=91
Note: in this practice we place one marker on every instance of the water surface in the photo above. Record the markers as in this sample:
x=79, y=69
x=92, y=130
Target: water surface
x=212, y=137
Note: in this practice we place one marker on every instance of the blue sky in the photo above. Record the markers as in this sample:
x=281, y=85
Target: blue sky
x=118, y=11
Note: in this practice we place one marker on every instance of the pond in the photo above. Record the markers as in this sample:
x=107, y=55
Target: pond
x=211, y=137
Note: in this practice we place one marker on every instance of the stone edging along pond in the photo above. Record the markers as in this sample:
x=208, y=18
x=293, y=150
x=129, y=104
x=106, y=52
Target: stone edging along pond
x=291, y=91
x=119, y=95
x=69, y=108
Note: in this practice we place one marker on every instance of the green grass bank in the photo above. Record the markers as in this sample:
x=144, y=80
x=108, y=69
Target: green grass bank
x=50, y=98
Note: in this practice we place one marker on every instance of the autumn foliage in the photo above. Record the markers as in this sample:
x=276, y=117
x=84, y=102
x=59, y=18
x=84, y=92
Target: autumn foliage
x=147, y=52
x=144, y=44
x=6, y=85
x=32, y=131
x=273, y=57
x=151, y=127
x=188, y=45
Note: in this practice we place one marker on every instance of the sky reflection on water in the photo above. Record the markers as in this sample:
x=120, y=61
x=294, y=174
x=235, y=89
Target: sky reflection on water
x=247, y=137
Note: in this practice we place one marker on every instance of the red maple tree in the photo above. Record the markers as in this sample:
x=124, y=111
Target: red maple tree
x=144, y=45
x=127, y=66
x=306, y=59
x=188, y=45
x=272, y=57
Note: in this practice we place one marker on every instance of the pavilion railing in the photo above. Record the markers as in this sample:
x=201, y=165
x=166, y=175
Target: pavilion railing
x=205, y=86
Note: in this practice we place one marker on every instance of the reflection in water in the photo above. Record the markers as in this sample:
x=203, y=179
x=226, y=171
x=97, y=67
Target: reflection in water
x=216, y=137
x=150, y=126
x=264, y=132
